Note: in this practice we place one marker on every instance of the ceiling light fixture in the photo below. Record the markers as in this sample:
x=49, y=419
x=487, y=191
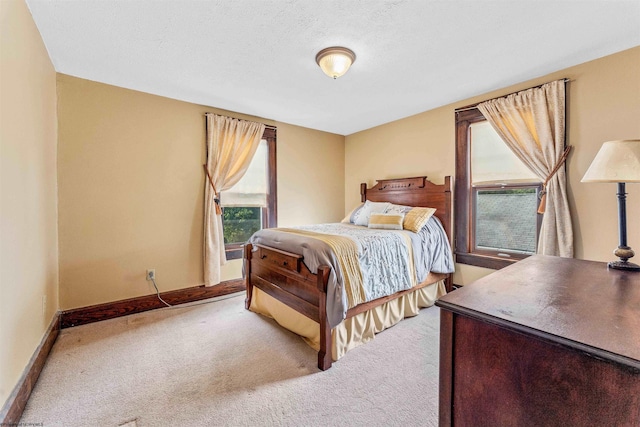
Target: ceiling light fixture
x=335, y=61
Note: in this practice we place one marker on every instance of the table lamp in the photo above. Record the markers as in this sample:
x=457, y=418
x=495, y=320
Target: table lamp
x=618, y=161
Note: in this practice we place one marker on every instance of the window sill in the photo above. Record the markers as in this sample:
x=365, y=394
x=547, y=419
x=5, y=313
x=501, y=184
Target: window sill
x=235, y=251
x=485, y=261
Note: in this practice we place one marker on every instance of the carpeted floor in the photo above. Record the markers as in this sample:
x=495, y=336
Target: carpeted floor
x=216, y=364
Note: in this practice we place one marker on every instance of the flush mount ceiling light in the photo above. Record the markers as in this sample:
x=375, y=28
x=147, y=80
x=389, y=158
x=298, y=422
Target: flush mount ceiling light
x=335, y=61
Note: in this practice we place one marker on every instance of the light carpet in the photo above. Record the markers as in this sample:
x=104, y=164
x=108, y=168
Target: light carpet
x=216, y=364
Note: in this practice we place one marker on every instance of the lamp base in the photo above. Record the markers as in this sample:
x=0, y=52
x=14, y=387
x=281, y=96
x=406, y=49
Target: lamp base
x=624, y=265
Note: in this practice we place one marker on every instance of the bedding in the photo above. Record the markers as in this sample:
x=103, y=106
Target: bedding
x=366, y=264
x=349, y=217
x=417, y=218
x=361, y=216
x=386, y=221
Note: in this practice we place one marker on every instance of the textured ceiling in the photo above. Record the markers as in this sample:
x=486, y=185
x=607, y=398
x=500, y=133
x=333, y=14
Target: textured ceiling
x=258, y=57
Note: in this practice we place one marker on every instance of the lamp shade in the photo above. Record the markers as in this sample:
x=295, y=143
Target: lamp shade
x=617, y=161
x=335, y=61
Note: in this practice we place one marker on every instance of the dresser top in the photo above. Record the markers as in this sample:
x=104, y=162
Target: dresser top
x=573, y=302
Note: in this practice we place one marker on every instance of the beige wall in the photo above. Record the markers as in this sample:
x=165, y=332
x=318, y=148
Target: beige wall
x=131, y=189
x=310, y=176
x=603, y=104
x=28, y=211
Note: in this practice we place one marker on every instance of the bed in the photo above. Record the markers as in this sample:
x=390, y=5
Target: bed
x=292, y=285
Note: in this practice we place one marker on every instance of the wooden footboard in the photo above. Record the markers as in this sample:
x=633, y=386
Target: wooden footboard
x=284, y=276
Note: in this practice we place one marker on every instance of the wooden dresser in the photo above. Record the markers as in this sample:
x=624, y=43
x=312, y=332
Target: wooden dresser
x=545, y=342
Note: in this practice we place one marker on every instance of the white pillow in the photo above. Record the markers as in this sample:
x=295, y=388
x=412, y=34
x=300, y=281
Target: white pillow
x=362, y=217
x=398, y=209
x=347, y=219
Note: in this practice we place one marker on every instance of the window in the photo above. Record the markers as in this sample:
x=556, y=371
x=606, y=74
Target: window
x=250, y=204
x=496, y=197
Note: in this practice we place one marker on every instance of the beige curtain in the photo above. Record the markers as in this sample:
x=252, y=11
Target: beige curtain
x=231, y=144
x=532, y=123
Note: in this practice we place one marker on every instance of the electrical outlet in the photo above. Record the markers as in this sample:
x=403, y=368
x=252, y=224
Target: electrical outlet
x=151, y=274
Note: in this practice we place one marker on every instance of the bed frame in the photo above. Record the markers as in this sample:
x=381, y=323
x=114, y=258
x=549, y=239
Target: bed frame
x=285, y=277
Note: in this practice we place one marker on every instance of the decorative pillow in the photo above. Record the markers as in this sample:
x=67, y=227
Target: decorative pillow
x=362, y=216
x=398, y=209
x=349, y=218
x=386, y=221
x=416, y=218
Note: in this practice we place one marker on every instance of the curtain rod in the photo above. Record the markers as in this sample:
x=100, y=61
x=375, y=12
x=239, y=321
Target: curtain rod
x=265, y=125
x=471, y=107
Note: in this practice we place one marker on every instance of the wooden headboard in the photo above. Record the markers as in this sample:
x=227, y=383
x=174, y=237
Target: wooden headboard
x=417, y=191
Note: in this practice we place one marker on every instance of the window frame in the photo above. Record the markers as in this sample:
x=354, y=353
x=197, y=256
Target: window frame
x=465, y=193
x=269, y=213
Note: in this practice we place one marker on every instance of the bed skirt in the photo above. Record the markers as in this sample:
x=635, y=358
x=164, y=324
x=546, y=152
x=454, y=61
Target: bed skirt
x=352, y=332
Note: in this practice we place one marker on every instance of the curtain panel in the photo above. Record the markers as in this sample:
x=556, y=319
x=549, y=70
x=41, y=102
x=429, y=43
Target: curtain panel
x=231, y=144
x=532, y=124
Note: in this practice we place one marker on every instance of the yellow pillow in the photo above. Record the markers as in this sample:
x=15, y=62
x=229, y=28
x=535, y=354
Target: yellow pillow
x=416, y=218
x=386, y=221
